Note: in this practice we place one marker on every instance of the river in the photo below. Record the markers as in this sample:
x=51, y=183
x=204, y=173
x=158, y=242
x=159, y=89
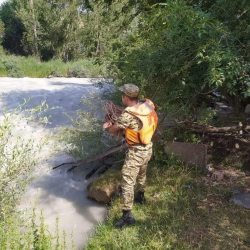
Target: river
x=56, y=192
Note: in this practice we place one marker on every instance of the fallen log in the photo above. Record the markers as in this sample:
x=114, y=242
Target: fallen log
x=220, y=134
x=238, y=133
x=200, y=128
x=216, y=130
x=66, y=163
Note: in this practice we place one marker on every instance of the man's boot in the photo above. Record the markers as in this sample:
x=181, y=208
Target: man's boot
x=140, y=198
x=126, y=219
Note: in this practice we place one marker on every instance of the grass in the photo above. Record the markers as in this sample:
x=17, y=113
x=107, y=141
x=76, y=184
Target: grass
x=185, y=210
x=112, y=176
x=19, y=66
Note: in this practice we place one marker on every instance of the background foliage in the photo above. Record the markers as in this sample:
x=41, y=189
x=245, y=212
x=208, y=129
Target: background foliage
x=178, y=51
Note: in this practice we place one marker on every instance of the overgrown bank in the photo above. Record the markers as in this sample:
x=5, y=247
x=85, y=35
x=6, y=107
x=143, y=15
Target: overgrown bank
x=20, y=66
x=184, y=210
x=177, y=52
x=20, y=153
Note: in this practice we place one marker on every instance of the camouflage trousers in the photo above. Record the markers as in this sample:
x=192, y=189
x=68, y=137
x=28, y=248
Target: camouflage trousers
x=135, y=167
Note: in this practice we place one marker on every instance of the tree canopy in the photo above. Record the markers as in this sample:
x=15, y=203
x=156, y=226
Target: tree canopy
x=176, y=51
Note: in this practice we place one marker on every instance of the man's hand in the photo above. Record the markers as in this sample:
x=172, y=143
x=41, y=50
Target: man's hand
x=115, y=130
x=107, y=124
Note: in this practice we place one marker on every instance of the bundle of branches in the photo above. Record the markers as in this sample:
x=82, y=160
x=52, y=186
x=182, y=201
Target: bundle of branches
x=109, y=153
x=113, y=112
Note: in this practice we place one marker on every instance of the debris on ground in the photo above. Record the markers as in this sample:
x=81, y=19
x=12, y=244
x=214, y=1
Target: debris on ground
x=217, y=175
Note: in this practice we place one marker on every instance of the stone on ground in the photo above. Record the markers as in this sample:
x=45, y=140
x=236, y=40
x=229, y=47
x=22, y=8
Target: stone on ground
x=241, y=200
x=106, y=187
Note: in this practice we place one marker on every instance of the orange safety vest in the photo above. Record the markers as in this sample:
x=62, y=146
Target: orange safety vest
x=145, y=111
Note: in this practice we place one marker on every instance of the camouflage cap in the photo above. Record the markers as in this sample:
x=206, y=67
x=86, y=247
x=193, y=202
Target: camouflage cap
x=130, y=90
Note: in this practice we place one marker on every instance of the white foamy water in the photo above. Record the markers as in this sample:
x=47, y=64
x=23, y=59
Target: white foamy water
x=58, y=193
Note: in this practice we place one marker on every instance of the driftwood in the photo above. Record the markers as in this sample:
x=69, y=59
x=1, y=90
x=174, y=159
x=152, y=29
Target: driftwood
x=200, y=128
x=89, y=174
x=101, y=156
x=208, y=130
x=233, y=131
x=106, y=167
x=238, y=133
x=110, y=151
x=223, y=134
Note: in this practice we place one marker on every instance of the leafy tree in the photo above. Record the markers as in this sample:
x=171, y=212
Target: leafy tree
x=52, y=30
x=179, y=53
x=13, y=28
x=178, y=50
x=1, y=31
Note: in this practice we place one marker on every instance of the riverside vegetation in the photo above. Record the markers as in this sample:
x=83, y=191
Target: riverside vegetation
x=18, y=157
x=18, y=66
x=179, y=53
x=185, y=209
x=182, y=212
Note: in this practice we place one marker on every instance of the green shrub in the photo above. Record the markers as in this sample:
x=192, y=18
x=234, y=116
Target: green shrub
x=22, y=232
x=18, y=156
x=16, y=73
x=3, y=71
x=56, y=73
x=86, y=136
x=181, y=53
x=1, y=51
x=77, y=71
x=19, y=66
x=13, y=68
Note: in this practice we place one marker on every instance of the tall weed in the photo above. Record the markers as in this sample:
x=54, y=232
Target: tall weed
x=86, y=138
x=19, y=66
x=18, y=156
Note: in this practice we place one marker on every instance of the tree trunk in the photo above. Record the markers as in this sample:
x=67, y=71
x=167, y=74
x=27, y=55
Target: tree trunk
x=34, y=27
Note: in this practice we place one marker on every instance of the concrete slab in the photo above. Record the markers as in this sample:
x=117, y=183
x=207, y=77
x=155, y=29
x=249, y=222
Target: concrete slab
x=191, y=153
x=241, y=200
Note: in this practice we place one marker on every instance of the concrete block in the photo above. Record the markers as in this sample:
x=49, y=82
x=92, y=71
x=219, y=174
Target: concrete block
x=191, y=153
x=241, y=200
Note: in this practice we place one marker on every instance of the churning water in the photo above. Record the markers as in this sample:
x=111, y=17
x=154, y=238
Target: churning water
x=56, y=192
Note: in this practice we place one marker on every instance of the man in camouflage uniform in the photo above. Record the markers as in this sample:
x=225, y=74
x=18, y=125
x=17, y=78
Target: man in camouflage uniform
x=137, y=157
